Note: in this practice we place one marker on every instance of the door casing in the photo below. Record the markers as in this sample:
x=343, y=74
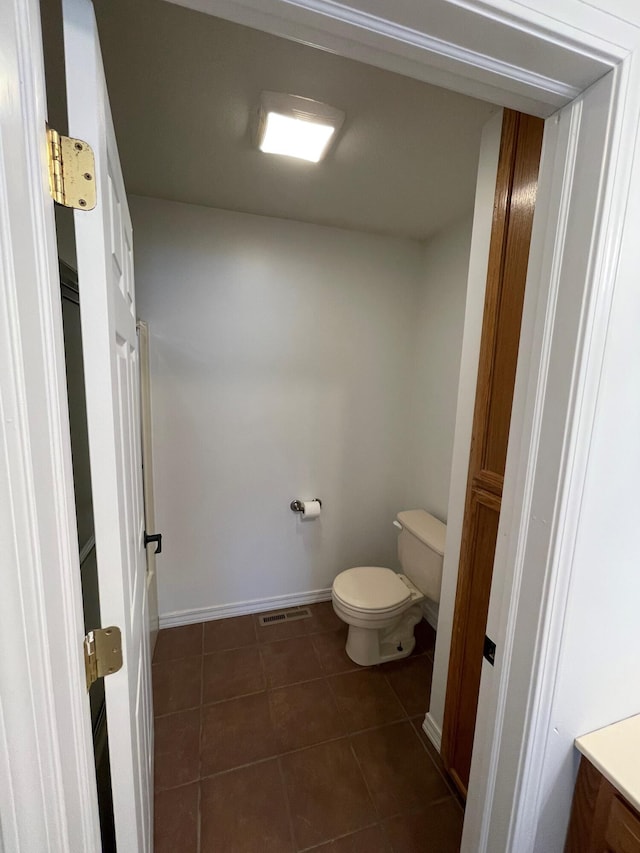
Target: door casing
x=41, y=600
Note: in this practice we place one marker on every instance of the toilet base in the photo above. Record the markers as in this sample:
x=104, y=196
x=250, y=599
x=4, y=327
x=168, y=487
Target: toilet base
x=371, y=646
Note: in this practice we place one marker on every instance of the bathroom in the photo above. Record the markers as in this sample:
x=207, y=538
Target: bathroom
x=304, y=344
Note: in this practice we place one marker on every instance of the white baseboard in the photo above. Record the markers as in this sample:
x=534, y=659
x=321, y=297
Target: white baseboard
x=430, y=611
x=242, y=608
x=433, y=732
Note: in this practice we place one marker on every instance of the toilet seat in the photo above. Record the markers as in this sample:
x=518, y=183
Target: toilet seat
x=371, y=589
x=381, y=609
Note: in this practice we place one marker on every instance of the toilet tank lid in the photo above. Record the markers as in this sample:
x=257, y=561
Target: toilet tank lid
x=424, y=527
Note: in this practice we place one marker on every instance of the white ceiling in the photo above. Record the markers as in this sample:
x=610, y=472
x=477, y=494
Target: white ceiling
x=183, y=86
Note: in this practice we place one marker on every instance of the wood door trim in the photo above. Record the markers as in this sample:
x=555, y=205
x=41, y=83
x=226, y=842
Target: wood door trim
x=510, y=236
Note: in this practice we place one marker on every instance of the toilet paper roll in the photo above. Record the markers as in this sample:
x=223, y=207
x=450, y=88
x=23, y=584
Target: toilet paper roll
x=310, y=510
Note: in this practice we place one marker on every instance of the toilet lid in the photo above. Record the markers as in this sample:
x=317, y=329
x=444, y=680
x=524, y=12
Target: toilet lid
x=370, y=588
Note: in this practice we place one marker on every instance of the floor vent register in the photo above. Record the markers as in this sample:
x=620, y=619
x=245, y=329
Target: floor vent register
x=291, y=615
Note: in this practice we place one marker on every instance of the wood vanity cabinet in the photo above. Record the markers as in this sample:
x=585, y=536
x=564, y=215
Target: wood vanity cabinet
x=602, y=821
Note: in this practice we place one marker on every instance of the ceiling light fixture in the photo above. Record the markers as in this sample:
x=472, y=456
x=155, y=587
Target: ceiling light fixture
x=296, y=126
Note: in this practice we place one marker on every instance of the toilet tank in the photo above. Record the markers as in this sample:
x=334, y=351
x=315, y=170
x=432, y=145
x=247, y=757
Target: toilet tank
x=421, y=550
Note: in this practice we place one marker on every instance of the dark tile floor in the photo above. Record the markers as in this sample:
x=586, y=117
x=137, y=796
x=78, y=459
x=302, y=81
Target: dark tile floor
x=270, y=740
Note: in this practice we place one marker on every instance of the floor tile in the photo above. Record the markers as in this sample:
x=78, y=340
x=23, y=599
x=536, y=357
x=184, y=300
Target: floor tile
x=176, y=820
x=281, y=630
x=227, y=675
x=417, y=722
x=411, y=680
x=331, y=652
x=245, y=811
x=289, y=661
x=177, y=749
x=436, y=829
x=435, y=756
x=304, y=714
x=257, y=693
x=425, y=637
x=326, y=792
x=236, y=732
x=324, y=618
x=177, y=685
x=399, y=773
x=175, y=643
x=222, y=634
x=371, y=840
x=366, y=699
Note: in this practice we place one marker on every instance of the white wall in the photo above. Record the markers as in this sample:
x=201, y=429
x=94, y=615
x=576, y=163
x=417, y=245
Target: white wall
x=436, y=367
x=281, y=368
x=477, y=274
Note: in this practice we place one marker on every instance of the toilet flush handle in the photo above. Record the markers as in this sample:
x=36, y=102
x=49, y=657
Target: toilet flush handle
x=398, y=525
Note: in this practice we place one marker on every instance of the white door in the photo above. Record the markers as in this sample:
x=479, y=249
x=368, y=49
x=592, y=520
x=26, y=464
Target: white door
x=110, y=349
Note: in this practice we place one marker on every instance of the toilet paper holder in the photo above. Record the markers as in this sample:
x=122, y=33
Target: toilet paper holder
x=298, y=506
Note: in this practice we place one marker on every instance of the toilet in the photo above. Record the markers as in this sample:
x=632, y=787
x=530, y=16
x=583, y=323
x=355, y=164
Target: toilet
x=382, y=607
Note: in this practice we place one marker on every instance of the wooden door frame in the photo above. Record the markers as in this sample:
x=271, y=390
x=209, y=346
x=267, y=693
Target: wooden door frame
x=41, y=624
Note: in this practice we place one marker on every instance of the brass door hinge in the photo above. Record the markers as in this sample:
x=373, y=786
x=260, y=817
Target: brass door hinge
x=102, y=653
x=72, y=180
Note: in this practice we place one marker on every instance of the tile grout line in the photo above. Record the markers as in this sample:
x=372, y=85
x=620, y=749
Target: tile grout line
x=285, y=753
x=257, y=641
x=380, y=820
x=397, y=695
x=348, y=735
x=287, y=804
x=254, y=626
x=240, y=695
x=364, y=779
x=267, y=690
x=328, y=679
x=264, y=673
x=338, y=838
x=199, y=820
x=316, y=655
x=451, y=787
x=325, y=675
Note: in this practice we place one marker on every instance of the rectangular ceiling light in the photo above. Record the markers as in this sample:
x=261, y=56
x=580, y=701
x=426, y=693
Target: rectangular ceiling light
x=296, y=126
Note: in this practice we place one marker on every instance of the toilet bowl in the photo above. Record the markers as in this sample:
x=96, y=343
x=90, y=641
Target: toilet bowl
x=382, y=607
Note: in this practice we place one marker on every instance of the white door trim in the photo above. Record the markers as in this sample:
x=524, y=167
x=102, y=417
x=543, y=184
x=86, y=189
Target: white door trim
x=583, y=42
x=47, y=778
x=472, y=46
x=565, y=323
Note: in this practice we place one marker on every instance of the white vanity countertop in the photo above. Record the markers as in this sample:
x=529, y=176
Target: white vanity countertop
x=615, y=751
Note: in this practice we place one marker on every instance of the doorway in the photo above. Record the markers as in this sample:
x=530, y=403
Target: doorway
x=198, y=318
x=612, y=96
